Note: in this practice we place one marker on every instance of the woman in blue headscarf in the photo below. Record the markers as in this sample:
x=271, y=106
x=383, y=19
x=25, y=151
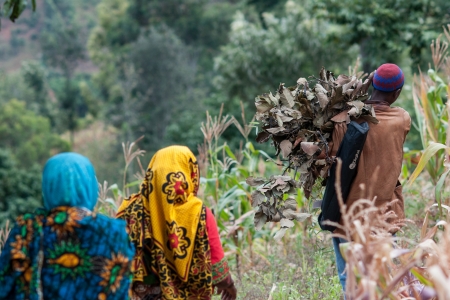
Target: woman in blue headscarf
x=65, y=251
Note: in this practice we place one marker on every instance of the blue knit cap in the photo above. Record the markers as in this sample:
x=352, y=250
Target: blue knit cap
x=69, y=180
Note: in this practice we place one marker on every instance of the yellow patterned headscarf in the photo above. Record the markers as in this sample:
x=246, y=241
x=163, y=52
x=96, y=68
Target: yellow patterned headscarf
x=171, y=210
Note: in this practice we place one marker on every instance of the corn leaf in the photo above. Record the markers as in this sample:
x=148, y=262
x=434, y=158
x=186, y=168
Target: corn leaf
x=428, y=153
x=438, y=190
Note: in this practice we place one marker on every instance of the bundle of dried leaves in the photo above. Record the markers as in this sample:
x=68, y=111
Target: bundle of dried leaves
x=299, y=122
x=268, y=198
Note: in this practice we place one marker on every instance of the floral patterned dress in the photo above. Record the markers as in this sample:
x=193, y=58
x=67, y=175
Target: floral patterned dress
x=66, y=253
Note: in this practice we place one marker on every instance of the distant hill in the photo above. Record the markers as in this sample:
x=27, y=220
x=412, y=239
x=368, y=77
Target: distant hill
x=19, y=41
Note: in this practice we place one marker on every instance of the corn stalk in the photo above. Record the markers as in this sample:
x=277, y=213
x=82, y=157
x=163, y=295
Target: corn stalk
x=429, y=92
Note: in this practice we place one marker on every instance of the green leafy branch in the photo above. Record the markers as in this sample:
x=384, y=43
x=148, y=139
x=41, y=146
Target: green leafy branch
x=14, y=8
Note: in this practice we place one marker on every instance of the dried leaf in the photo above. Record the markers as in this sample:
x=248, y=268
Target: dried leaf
x=262, y=137
x=354, y=111
x=342, y=79
x=318, y=122
x=309, y=95
x=288, y=99
x=280, y=233
x=262, y=105
x=347, y=86
x=290, y=203
x=276, y=130
x=286, y=223
x=323, y=74
x=280, y=122
x=341, y=117
x=257, y=198
x=320, y=89
x=309, y=148
x=358, y=104
x=293, y=215
x=274, y=99
x=260, y=219
x=297, y=141
x=302, y=81
x=323, y=100
x=286, y=148
x=255, y=181
x=283, y=117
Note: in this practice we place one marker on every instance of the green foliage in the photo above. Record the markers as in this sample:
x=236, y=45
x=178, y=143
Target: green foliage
x=13, y=86
x=20, y=188
x=27, y=135
x=432, y=123
x=300, y=268
x=14, y=8
x=385, y=29
x=288, y=47
x=63, y=48
x=432, y=119
x=34, y=75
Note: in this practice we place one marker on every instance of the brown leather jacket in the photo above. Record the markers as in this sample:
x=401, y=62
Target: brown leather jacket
x=383, y=150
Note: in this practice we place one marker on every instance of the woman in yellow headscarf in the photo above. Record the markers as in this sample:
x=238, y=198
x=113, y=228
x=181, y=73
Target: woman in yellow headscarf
x=178, y=249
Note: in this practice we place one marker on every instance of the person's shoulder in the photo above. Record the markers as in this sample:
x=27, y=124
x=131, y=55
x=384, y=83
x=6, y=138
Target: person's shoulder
x=38, y=214
x=108, y=220
x=402, y=113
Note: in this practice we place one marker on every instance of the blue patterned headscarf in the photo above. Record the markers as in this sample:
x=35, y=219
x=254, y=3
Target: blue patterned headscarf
x=69, y=180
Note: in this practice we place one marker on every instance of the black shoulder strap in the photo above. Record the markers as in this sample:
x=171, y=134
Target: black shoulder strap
x=349, y=152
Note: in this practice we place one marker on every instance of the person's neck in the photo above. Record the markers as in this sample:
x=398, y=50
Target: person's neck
x=378, y=102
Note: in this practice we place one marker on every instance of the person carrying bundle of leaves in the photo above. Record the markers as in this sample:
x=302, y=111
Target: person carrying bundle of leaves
x=318, y=119
x=380, y=161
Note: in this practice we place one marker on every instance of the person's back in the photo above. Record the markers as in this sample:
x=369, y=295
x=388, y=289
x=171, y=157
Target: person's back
x=65, y=251
x=380, y=163
x=381, y=159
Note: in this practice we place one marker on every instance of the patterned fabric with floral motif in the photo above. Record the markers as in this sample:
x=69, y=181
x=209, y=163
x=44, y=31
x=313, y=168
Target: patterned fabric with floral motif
x=220, y=271
x=67, y=253
x=199, y=284
x=172, y=208
x=177, y=241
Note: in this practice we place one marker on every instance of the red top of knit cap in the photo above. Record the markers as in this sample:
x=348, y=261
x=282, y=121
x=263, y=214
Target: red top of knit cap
x=388, y=78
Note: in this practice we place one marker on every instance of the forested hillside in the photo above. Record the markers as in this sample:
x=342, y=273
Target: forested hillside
x=88, y=75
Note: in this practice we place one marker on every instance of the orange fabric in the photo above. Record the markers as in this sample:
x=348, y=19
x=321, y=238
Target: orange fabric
x=383, y=150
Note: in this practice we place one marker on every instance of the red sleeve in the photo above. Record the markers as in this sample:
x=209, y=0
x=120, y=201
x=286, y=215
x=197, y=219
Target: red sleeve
x=214, y=238
x=220, y=269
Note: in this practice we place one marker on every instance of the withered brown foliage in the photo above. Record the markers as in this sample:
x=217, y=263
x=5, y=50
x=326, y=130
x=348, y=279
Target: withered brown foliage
x=299, y=122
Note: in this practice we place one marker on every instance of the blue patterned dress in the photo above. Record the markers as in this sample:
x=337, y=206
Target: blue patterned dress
x=67, y=253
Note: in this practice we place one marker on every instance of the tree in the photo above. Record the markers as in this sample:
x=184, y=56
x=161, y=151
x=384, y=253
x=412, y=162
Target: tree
x=14, y=8
x=35, y=77
x=62, y=49
x=20, y=188
x=27, y=135
x=296, y=44
x=385, y=29
x=156, y=86
x=155, y=61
